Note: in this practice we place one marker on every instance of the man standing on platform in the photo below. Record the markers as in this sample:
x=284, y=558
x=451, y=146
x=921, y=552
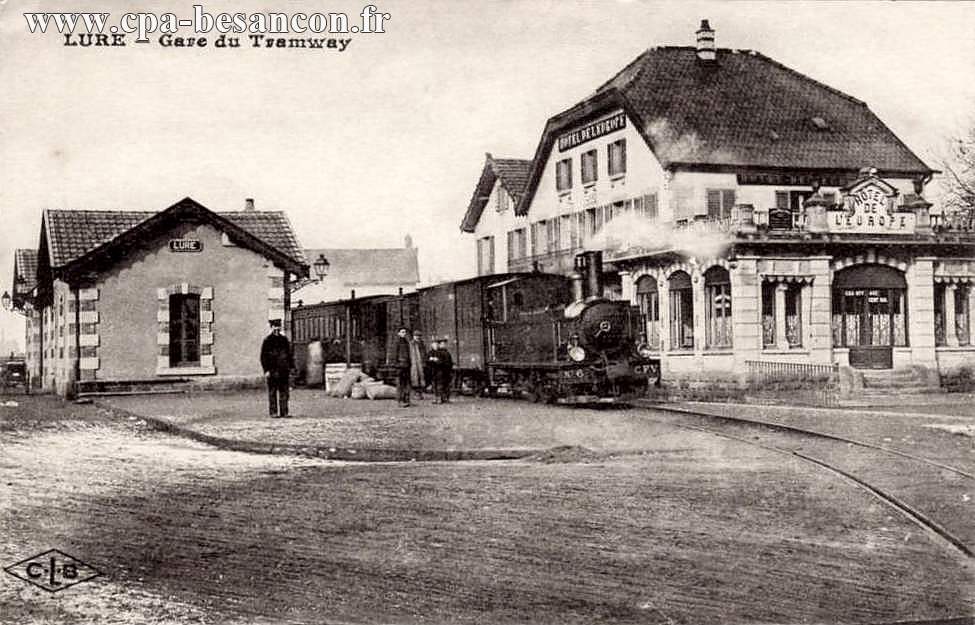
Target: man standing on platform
x=276, y=360
x=442, y=371
x=402, y=358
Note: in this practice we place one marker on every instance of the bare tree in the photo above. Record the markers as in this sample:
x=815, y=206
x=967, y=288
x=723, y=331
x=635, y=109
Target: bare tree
x=959, y=175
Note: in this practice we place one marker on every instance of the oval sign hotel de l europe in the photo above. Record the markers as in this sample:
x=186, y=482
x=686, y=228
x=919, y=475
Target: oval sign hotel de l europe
x=753, y=214
x=760, y=217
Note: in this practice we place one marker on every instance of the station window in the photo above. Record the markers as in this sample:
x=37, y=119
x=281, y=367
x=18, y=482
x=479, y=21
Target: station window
x=717, y=289
x=589, y=167
x=617, y=158
x=681, y=311
x=184, y=330
x=563, y=175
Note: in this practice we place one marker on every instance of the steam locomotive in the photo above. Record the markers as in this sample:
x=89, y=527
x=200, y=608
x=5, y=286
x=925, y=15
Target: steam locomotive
x=542, y=336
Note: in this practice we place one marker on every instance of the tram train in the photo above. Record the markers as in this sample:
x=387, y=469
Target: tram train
x=543, y=336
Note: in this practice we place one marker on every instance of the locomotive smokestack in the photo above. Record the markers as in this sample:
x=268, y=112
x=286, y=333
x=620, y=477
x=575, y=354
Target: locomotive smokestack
x=595, y=273
x=578, y=294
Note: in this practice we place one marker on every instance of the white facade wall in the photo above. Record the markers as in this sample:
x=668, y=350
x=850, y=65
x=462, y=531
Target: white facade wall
x=497, y=224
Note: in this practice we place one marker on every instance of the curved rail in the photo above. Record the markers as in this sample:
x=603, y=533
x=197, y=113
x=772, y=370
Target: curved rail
x=814, y=433
x=917, y=517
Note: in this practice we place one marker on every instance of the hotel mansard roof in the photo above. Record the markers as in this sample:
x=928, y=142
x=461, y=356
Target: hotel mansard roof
x=72, y=238
x=512, y=173
x=740, y=111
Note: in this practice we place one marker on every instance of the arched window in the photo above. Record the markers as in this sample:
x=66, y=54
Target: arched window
x=648, y=298
x=681, y=311
x=717, y=293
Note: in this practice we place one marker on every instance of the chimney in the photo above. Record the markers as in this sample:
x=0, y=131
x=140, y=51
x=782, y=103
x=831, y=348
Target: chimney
x=249, y=204
x=595, y=275
x=705, y=42
x=408, y=242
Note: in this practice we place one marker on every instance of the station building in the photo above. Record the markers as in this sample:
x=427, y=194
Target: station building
x=134, y=297
x=754, y=215
x=353, y=272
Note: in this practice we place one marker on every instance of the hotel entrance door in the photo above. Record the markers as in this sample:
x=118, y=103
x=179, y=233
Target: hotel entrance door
x=869, y=315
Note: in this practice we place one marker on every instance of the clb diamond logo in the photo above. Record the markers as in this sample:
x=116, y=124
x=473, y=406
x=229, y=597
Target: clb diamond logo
x=53, y=570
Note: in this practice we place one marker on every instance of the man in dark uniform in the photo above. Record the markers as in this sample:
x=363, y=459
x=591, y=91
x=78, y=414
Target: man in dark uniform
x=442, y=370
x=276, y=360
x=402, y=359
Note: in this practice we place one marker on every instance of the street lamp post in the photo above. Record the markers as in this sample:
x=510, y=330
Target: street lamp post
x=321, y=266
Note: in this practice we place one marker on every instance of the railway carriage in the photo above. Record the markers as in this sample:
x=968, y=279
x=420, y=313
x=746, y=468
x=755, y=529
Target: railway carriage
x=352, y=330
x=545, y=336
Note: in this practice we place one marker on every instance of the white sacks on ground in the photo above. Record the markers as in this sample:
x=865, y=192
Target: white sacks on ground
x=343, y=386
x=378, y=390
x=313, y=372
x=358, y=391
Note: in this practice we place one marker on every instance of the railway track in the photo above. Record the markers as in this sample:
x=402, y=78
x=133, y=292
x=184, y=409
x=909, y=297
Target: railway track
x=899, y=479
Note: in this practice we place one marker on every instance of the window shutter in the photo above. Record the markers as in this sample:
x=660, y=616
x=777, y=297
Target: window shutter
x=782, y=200
x=714, y=204
x=728, y=196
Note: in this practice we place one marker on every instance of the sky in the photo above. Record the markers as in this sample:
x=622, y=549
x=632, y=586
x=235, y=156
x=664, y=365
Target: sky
x=387, y=138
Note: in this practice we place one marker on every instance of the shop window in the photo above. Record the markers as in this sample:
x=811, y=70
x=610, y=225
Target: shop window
x=717, y=290
x=681, y=311
x=184, y=330
x=963, y=314
x=617, y=158
x=781, y=305
x=952, y=314
x=589, y=167
x=720, y=203
x=563, y=175
x=648, y=299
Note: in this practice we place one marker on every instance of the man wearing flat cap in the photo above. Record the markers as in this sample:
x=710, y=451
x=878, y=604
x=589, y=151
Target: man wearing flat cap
x=276, y=360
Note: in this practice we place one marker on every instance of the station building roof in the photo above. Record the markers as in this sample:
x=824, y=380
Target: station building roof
x=72, y=238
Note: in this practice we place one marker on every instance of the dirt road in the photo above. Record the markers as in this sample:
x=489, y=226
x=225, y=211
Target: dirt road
x=689, y=530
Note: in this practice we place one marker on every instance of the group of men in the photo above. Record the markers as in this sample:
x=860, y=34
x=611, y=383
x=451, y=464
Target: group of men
x=415, y=368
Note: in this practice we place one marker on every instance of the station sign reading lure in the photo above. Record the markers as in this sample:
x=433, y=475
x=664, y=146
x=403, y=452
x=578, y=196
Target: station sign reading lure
x=592, y=131
x=185, y=245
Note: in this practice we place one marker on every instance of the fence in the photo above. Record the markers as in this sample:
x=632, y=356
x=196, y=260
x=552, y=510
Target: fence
x=800, y=382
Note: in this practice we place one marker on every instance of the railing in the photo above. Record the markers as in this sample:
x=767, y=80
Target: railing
x=794, y=382
x=763, y=371
x=958, y=222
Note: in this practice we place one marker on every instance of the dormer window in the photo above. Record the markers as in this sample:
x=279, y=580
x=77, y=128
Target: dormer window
x=563, y=175
x=820, y=123
x=589, y=167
